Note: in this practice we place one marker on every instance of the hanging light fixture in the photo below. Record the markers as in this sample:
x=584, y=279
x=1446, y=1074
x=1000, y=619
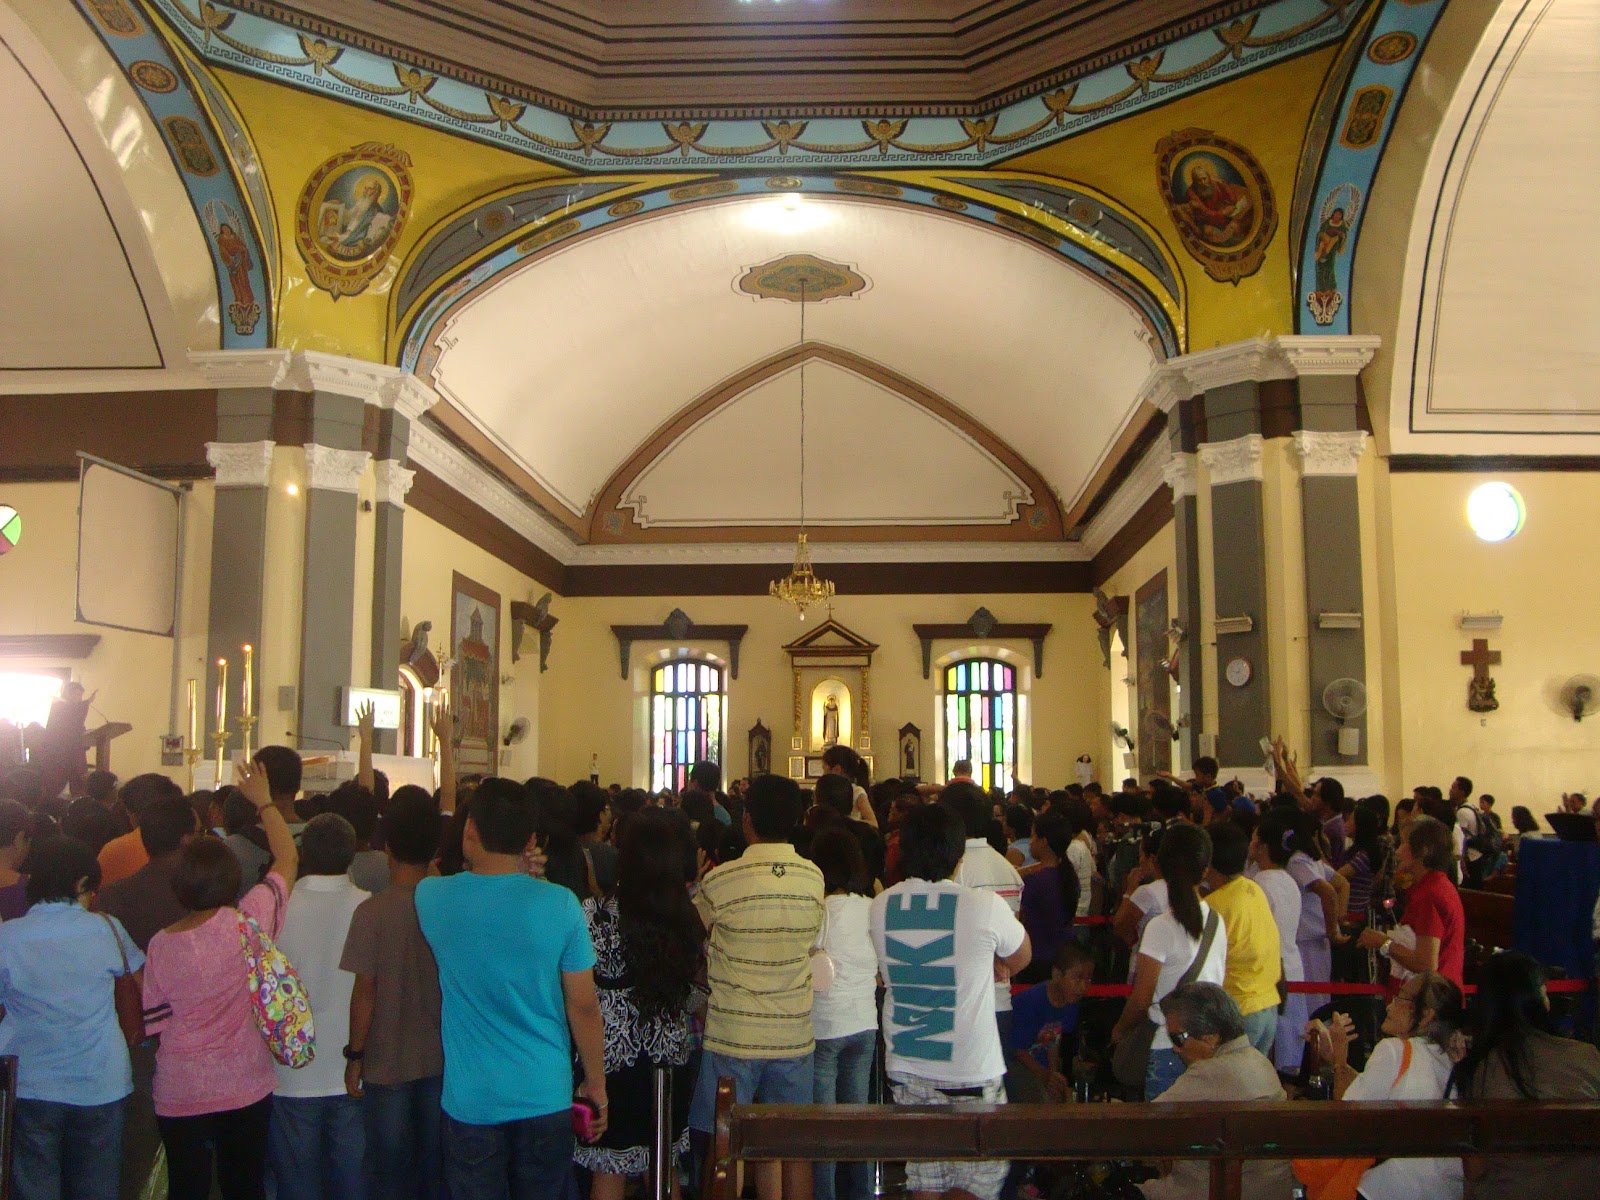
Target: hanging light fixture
x=801, y=587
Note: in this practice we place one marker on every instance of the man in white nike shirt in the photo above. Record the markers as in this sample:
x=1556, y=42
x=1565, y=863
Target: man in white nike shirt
x=986, y=869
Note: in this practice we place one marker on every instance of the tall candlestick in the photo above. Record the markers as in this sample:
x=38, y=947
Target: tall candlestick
x=222, y=694
x=249, y=705
x=194, y=714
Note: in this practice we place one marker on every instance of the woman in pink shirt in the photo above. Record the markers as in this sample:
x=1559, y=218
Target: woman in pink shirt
x=214, y=1075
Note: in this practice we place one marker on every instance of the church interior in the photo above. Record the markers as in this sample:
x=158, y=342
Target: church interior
x=1151, y=353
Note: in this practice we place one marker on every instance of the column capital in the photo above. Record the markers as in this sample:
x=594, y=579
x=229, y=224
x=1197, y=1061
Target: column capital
x=1233, y=461
x=1255, y=360
x=408, y=396
x=241, y=464
x=393, y=482
x=1328, y=354
x=1329, y=453
x=333, y=470
x=279, y=370
x=1182, y=473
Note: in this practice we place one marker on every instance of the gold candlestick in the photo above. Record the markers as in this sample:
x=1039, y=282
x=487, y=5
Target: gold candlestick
x=191, y=755
x=220, y=740
x=247, y=722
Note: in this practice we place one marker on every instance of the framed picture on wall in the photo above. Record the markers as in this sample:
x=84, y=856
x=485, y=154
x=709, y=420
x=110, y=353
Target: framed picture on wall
x=760, y=762
x=474, y=675
x=909, y=765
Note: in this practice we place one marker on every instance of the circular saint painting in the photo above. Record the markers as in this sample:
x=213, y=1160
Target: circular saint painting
x=10, y=528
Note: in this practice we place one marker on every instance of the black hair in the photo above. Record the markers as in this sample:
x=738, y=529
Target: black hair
x=504, y=816
x=207, y=875
x=452, y=858
x=147, y=789
x=1073, y=954
x=411, y=827
x=589, y=806
x=55, y=865
x=1184, y=856
x=842, y=756
x=1230, y=848
x=1169, y=801
x=932, y=841
x=1370, y=821
x=1019, y=818
x=238, y=814
x=662, y=935
x=555, y=821
x=1509, y=1008
x=706, y=775
x=164, y=824
x=971, y=805
x=1522, y=820
x=1206, y=765
x=327, y=845
x=1277, y=833
x=1331, y=792
x=99, y=786
x=359, y=806
x=774, y=806
x=837, y=854
x=1058, y=833
x=90, y=822
x=283, y=768
x=835, y=793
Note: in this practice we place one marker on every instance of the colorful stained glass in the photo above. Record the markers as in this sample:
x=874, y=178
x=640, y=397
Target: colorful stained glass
x=10, y=528
x=685, y=721
x=981, y=720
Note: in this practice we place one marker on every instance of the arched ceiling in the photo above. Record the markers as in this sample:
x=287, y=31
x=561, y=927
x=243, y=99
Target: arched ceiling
x=966, y=345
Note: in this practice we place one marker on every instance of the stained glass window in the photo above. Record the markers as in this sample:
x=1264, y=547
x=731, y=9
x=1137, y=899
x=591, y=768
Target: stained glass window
x=980, y=720
x=686, y=710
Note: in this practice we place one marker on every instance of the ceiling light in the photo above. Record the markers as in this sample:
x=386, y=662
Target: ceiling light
x=1495, y=512
x=788, y=213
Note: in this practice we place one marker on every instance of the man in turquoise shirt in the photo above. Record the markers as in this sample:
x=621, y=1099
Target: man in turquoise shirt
x=516, y=976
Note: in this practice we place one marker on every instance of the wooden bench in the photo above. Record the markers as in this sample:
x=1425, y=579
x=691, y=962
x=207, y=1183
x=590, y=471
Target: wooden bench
x=1225, y=1134
x=1490, y=917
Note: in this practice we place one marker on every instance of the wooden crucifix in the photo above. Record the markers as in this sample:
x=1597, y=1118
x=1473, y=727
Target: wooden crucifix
x=1480, y=689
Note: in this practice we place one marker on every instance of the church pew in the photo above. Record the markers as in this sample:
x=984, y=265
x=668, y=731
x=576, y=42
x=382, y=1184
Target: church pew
x=1226, y=1134
x=1490, y=917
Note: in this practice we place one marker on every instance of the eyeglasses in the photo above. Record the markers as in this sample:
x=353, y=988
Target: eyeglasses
x=1402, y=998
x=1180, y=1038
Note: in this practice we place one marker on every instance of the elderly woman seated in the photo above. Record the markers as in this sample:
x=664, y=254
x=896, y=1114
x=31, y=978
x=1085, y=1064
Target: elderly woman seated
x=1220, y=1064
x=1412, y=1062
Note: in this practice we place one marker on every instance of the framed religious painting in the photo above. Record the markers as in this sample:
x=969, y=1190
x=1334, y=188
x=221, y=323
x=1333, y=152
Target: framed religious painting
x=474, y=675
x=1220, y=200
x=350, y=215
x=760, y=750
x=910, y=764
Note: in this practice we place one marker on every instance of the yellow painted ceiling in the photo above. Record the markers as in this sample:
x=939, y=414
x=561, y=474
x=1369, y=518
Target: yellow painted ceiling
x=1267, y=113
x=294, y=133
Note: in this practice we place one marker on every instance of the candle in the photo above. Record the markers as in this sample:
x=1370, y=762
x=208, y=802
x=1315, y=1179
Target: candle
x=249, y=707
x=194, y=714
x=222, y=694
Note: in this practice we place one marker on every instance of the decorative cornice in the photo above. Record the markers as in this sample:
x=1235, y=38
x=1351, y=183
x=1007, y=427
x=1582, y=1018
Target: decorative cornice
x=1234, y=461
x=1141, y=483
x=343, y=376
x=1255, y=360
x=333, y=470
x=1327, y=353
x=431, y=450
x=777, y=553
x=1329, y=453
x=392, y=481
x=280, y=370
x=408, y=396
x=241, y=464
x=1182, y=473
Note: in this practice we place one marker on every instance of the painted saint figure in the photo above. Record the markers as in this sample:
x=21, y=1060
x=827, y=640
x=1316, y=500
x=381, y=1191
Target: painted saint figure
x=1331, y=237
x=830, y=722
x=1220, y=211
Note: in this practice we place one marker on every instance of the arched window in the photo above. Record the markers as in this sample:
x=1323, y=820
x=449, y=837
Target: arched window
x=686, y=710
x=980, y=720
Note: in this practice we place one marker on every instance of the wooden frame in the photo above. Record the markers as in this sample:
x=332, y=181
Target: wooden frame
x=474, y=677
x=760, y=760
x=1153, y=687
x=909, y=755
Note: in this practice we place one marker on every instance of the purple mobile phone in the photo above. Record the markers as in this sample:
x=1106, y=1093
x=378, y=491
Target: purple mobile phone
x=584, y=1115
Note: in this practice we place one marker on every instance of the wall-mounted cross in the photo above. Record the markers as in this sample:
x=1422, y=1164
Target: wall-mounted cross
x=1480, y=691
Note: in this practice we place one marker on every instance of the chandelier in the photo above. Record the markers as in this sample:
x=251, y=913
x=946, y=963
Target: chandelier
x=801, y=587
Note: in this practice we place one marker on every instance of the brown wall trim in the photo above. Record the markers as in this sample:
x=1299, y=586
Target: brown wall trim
x=1136, y=439
x=857, y=579
x=1280, y=407
x=1412, y=464
x=1153, y=516
x=159, y=432
x=433, y=498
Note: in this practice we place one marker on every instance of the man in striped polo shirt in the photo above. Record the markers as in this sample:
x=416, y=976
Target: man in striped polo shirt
x=763, y=911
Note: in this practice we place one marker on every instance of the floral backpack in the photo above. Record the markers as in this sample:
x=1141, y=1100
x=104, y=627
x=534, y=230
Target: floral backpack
x=277, y=997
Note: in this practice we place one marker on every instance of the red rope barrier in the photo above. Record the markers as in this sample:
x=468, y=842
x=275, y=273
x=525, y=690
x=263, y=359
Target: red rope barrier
x=1119, y=991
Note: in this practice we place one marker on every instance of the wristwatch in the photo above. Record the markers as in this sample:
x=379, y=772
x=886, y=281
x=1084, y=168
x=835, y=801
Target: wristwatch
x=1384, y=949
x=353, y=1055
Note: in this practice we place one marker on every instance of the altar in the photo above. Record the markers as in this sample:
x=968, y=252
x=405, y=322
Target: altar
x=327, y=770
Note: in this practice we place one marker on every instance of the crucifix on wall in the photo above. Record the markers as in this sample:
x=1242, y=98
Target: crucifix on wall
x=1480, y=689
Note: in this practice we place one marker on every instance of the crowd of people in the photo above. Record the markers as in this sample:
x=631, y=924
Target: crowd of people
x=497, y=973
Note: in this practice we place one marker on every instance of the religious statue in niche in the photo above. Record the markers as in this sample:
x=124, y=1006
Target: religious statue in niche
x=832, y=721
x=1220, y=200
x=1480, y=689
x=350, y=215
x=910, y=752
x=760, y=750
x=1339, y=212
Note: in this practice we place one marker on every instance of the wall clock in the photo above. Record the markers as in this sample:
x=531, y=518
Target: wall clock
x=1239, y=671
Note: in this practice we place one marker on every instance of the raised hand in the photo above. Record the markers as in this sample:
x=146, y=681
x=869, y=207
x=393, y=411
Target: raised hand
x=251, y=779
x=365, y=720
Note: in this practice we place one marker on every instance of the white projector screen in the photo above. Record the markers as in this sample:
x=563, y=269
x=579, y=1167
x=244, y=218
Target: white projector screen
x=127, y=548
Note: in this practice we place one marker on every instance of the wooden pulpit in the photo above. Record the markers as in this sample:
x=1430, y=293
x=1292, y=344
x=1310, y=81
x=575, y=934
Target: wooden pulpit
x=99, y=741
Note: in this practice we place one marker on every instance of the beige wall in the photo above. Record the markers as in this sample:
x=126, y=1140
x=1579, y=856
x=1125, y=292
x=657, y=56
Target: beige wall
x=430, y=555
x=590, y=709
x=1543, y=581
x=131, y=671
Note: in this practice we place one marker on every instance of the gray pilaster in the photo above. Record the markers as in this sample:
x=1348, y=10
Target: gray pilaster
x=1336, y=642
x=393, y=481
x=335, y=464
x=1238, y=564
x=1182, y=475
x=238, y=562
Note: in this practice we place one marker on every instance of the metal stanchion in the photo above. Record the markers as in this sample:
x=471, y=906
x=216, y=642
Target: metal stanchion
x=661, y=1164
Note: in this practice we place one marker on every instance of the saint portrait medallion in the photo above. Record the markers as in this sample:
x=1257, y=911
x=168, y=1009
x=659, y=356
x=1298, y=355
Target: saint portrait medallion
x=350, y=215
x=1220, y=199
